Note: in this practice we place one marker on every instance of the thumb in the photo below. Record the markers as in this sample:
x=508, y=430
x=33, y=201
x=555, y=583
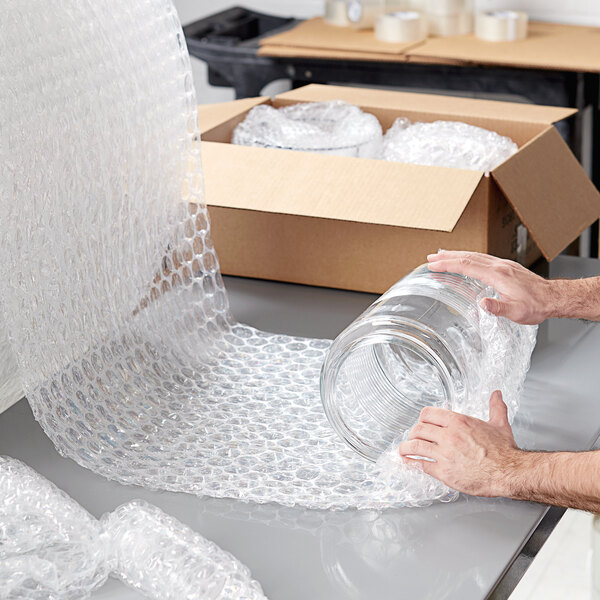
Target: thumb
x=496, y=307
x=498, y=410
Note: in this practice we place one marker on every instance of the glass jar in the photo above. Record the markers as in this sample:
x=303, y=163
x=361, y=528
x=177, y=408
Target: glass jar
x=418, y=345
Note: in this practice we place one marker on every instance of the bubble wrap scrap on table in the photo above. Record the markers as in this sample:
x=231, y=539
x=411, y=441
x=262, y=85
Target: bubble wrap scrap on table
x=333, y=127
x=446, y=144
x=52, y=549
x=114, y=303
x=504, y=362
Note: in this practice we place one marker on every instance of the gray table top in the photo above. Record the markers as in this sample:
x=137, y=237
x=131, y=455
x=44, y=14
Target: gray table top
x=458, y=550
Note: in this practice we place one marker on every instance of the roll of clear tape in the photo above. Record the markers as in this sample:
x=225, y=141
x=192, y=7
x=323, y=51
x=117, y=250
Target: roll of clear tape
x=501, y=26
x=401, y=26
x=362, y=14
x=448, y=7
x=335, y=13
x=446, y=25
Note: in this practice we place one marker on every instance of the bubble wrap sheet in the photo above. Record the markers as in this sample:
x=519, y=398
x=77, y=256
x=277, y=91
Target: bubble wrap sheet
x=333, y=127
x=114, y=303
x=446, y=144
x=52, y=549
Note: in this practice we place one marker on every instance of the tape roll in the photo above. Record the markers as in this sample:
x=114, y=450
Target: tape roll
x=401, y=26
x=501, y=26
x=362, y=14
x=444, y=25
x=448, y=7
x=335, y=13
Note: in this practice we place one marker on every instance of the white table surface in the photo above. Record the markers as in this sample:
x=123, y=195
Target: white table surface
x=458, y=550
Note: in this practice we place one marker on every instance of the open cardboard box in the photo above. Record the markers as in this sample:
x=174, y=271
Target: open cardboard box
x=362, y=224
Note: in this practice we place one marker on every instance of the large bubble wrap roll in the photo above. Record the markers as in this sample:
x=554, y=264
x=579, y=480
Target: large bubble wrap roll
x=113, y=299
x=52, y=549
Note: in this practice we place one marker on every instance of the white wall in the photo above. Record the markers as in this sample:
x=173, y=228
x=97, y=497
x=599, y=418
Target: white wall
x=581, y=12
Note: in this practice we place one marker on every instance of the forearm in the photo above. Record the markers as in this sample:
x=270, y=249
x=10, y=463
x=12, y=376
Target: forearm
x=569, y=479
x=574, y=298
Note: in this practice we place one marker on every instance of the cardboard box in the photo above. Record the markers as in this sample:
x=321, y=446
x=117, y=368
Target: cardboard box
x=362, y=224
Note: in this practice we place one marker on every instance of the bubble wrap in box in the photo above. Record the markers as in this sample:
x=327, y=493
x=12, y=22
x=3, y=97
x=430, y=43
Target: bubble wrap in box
x=52, y=549
x=114, y=302
x=446, y=144
x=333, y=127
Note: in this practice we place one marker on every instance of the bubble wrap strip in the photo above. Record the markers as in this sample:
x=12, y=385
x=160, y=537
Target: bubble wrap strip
x=114, y=301
x=52, y=549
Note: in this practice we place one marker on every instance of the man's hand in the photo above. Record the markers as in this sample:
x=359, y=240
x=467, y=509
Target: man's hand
x=526, y=297
x=471, y=455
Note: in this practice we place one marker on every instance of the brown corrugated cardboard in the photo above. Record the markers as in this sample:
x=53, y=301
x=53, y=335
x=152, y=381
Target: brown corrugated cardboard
x=298, y=51
x=547, y=46
x=432, y=104
x=361, y=224
x=336, y=187
x=316, y=34
x=541, y=181
x=212, y=115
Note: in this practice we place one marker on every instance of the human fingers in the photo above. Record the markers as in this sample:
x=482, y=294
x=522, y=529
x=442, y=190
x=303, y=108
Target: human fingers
x=452, y=254
x=434, y=415
x=430, y=467
x=497, y=307
x=498, y=410
x=427, y=432
x=471, y=267
x=418, y=448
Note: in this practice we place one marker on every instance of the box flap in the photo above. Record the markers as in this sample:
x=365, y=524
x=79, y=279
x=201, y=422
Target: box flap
x=547, y=46
x=211, y=115
x=549, y=191
x=315, y=33
x=336, y=187
x=450, y=105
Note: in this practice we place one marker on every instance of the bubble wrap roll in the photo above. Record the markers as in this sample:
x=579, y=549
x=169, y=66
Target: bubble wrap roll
x=115, y=306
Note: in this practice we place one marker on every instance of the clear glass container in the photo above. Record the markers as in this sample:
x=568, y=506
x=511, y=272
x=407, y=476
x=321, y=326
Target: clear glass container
x=418, y=345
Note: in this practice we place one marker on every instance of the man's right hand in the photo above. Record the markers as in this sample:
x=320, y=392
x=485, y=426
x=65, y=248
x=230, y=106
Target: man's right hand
x=526, y=297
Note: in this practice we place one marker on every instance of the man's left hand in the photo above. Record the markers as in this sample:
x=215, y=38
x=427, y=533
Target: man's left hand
x=471, y=455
